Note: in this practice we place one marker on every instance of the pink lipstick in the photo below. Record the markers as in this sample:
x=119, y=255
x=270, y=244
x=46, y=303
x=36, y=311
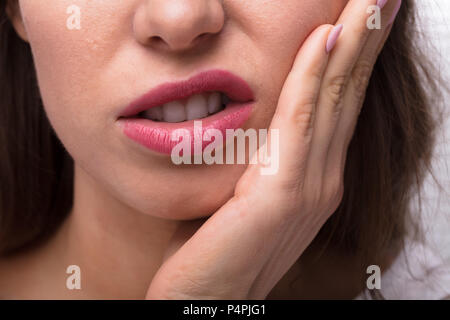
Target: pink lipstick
x=166, y=102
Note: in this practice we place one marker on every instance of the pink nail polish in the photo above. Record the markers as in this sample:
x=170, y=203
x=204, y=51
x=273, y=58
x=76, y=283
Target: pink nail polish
x=381, y=3
x=333, y=37
x=396, y=10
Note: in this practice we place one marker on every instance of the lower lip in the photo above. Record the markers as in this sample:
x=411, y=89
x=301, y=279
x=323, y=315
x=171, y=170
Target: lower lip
x=157, y=136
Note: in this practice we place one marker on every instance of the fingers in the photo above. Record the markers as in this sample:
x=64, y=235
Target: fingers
x=246, y=230
x=358, y=83
x=342, y=60
x=295, y=113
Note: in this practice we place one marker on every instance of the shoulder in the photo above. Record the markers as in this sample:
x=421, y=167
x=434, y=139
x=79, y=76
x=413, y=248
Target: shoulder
x=17, y=272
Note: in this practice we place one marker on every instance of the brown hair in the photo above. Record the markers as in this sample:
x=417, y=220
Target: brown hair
x=387, y=158
x=35, y=170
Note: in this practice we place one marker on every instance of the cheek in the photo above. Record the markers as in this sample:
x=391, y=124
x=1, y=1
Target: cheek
x=275, y=31
x=282, y=25
x=69, y=62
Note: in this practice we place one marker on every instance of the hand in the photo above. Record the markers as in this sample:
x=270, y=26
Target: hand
x=246, y=247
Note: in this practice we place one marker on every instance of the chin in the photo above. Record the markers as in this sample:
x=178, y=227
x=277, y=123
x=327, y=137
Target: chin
x=187, y=200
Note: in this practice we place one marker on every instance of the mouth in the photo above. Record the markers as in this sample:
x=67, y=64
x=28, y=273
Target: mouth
x=196, y=107
x=216, y=99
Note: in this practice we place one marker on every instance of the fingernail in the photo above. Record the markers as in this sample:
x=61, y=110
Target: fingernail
x=396, y=10
x=333, y=37
x=381, y=3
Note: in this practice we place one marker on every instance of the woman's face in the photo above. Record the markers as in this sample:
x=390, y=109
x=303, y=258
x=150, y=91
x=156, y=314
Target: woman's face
x=123, y=49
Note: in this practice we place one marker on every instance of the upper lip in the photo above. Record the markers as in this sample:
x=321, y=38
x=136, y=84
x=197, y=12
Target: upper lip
x=223, y=81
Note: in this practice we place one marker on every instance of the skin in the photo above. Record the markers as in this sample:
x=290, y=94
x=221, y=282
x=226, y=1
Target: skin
x=134, y=211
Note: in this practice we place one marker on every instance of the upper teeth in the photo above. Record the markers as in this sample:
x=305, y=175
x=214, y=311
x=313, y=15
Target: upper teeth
x=196, y=107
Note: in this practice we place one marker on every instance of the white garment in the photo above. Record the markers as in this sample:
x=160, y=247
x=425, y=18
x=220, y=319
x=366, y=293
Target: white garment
x=417, y=273
x=422, y=271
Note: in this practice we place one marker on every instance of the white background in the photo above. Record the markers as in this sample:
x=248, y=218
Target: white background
x=434, y=22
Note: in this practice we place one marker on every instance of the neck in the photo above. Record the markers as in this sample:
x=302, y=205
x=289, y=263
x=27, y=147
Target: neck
x=117, y=248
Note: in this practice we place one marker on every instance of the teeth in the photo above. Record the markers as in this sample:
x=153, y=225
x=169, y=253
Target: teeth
x=196, y=107
x=214, y=102
x=155, y=113
x=174, y=112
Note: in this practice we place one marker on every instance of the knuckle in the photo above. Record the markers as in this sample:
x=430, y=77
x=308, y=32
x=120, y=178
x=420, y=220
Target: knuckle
x=313, y=198
x=335, y=89
x=188, y=287
x=290, y=187
x=335, y=191
x=304, y=113
x=337, y=200
x=336, y=184
x=194, y=287
x=361, y=76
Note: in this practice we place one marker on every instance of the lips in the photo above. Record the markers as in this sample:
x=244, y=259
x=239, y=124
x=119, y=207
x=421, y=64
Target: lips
x=155, y=133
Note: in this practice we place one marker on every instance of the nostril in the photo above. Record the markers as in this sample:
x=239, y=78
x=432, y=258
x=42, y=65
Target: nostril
x=156, y=39
x=179, y=43
x=157, y=42
x=203, y=35
x=201, y=38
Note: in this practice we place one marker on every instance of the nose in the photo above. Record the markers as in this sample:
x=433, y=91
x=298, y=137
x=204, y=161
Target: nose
x=177, y=24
